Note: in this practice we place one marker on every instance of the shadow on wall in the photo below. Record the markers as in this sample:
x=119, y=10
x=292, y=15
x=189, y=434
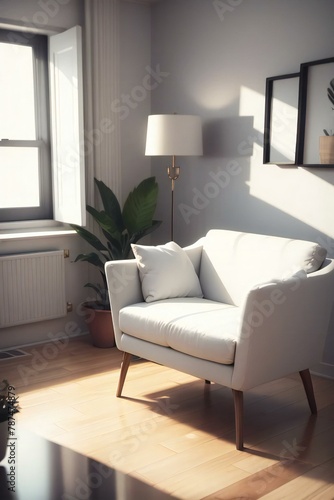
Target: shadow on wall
x=225, y=138
x=215, y=194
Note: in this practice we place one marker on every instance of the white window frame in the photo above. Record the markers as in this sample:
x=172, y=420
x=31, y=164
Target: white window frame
x=64, y=209
x=68, y=160
x=40, y=60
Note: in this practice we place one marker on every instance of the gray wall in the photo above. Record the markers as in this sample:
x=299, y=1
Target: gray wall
x=218, y=55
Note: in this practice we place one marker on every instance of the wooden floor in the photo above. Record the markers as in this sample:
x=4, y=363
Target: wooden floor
x=173, y=431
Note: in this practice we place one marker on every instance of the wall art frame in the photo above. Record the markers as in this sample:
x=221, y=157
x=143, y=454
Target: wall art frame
x=281, y=119
x=315, y=111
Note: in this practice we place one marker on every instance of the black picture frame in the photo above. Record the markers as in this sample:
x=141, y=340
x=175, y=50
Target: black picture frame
x=314, y=81
x=281, y=119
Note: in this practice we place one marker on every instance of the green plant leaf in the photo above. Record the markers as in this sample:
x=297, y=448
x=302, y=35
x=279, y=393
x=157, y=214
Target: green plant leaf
x=106, y=222
x=89, y=237
x=140, y=205
x=115, y=249
x=92, y=258
x=110, y=203
x=96, y=287
x=144, y=232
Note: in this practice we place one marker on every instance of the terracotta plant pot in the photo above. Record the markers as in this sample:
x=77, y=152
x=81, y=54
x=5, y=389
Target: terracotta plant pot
x=326, y=149
x=100, y=326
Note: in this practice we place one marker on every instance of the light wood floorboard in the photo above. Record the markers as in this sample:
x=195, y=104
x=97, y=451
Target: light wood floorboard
x=174, y=431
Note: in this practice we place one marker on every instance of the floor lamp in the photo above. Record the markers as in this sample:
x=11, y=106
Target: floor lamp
x=174, y=135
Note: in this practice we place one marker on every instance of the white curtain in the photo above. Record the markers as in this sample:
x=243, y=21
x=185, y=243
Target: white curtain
x=101, y=83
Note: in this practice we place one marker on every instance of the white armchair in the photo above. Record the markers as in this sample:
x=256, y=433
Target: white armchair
x=249, y=309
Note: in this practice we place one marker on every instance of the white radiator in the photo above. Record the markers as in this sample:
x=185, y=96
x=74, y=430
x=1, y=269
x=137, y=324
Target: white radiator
x=32, y=287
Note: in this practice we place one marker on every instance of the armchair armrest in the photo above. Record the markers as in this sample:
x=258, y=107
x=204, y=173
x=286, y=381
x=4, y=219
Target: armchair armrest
x=124, y=288
x=283, y=327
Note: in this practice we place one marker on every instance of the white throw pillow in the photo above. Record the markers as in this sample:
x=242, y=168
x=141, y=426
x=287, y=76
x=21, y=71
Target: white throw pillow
x=166, y=272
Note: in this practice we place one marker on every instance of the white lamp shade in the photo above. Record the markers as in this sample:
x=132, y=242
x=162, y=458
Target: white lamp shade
x=174, y=135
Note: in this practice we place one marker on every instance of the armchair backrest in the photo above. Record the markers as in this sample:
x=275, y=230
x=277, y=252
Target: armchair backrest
x=233, y=262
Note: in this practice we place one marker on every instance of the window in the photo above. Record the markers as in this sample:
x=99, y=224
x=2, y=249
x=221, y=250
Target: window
x=39, y=180
x=25, y=167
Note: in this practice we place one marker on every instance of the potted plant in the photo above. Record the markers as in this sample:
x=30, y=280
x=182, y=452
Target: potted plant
x=120, y=228
x=8, y=406
x=326, y=144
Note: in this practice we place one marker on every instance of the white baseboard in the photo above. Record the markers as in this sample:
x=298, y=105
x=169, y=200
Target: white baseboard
x=324, y=370
x=45, y=341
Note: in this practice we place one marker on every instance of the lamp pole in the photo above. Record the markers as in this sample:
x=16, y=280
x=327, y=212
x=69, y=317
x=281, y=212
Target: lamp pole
x=173, y=173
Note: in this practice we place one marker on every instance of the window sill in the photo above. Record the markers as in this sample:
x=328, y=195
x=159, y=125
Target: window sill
x=10, y=231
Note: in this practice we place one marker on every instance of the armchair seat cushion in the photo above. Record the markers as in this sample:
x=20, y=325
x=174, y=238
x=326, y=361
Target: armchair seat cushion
x=199, y=327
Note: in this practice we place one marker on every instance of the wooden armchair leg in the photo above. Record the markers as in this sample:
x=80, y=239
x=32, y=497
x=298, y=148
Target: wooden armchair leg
x=239, y=419
x=308, y=386
x=124, y=369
